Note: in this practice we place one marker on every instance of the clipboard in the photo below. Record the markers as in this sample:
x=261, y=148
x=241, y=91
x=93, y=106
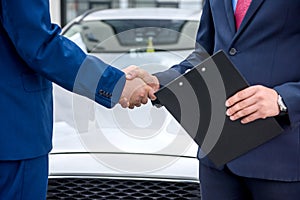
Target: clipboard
x=196, y=100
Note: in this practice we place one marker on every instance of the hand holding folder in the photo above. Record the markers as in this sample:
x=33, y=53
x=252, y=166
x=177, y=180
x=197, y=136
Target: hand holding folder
x=197, y=98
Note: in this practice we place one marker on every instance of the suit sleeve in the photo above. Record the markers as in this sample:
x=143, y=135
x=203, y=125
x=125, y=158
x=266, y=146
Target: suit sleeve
x=290, y=93
x=39, y=43
x=203, y=48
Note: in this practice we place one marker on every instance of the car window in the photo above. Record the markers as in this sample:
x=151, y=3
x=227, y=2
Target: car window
x=108, y=36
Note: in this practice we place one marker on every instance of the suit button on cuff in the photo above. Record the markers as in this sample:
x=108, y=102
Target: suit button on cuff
x=232, y=52
x=105, y=94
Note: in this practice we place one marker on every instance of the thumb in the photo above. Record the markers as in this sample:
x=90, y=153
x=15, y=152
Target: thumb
x=130, y=72
x=131, y=75
x=152, y=94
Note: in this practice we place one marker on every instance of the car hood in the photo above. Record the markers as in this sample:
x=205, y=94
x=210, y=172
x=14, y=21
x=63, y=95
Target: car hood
x=176, y=142
x=109, y=152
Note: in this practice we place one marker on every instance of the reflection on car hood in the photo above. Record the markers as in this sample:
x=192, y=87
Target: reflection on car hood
x=111, y=140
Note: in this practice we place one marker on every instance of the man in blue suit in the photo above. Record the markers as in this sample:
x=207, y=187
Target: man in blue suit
x=32, y=55
x=265, y=47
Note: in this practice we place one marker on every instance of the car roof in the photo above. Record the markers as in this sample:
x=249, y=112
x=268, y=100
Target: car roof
x=143, y=13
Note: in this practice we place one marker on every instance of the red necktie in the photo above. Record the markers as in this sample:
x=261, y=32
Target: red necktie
x=240, y=11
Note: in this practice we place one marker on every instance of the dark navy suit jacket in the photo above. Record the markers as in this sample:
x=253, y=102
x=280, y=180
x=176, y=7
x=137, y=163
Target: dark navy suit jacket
x=32, y=55
x=265, y=50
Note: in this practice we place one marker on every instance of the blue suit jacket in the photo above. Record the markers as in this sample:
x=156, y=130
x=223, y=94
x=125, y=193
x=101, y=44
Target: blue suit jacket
x=33, y=54
x=268, y=48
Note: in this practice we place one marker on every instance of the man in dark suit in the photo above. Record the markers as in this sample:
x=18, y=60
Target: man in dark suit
x=32, y=54
x=262, y=38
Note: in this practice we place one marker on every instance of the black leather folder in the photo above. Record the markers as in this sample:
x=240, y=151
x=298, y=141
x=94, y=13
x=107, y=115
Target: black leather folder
x=197, y=98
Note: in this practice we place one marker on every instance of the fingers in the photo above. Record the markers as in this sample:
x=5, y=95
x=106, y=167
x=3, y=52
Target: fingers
x=250, y=118
x=124, y=102
x=130, y=68
x=132, y=72
x=144, y=99
x=135, y=93
x=136, y=72
x=141, y=96
x=252, y=103
x=152, y=81
x=244, y=112
x=241, y=106
x=241, y=95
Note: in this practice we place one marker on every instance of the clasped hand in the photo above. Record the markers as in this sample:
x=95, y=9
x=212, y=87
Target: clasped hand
x=139, y=86
x=252, y=103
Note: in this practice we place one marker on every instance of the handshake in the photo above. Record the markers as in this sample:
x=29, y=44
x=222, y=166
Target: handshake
x=139, y=86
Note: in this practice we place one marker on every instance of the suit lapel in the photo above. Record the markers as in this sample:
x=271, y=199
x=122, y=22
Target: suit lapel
x=230, y=15
x=251, y=11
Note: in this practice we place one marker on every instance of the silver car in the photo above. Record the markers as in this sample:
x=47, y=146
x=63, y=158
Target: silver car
x=119, y=153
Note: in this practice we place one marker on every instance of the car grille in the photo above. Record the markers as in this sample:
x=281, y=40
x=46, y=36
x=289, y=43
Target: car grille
x=89, y=188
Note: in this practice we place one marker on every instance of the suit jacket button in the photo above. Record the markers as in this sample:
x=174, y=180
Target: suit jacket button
x=232, y=51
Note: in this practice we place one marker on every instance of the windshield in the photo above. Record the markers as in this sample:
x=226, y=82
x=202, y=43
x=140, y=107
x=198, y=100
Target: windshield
x=109, y=36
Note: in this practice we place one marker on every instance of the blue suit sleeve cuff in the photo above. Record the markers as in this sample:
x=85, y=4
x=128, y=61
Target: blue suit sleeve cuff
x=99, y=82
x=110, y=87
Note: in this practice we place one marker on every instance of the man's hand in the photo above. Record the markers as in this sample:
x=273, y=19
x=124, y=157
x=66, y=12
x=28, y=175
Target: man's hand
x=133, y=72
x=252, y=103
x=135, y=93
